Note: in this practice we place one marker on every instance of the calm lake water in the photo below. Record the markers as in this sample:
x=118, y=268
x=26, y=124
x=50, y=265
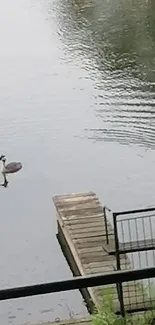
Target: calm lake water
x=77, y=107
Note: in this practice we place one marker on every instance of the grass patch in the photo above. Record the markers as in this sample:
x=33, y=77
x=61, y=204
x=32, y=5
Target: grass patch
x=104, y=313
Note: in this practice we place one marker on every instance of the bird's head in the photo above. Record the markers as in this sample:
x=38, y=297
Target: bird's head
x=2, y=157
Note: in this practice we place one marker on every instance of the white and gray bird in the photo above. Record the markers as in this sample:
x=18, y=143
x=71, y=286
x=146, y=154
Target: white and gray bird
x=10, y=168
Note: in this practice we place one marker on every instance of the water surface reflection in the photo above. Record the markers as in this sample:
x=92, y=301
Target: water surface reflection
x=70, y=71
x=118, y=43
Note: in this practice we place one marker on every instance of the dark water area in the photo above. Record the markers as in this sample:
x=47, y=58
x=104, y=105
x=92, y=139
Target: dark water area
x=77, y=97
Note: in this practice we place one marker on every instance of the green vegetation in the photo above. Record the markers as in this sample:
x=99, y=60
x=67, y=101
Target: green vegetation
x=104, y=313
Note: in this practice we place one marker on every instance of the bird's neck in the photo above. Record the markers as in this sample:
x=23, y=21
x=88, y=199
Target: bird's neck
x=3, y=163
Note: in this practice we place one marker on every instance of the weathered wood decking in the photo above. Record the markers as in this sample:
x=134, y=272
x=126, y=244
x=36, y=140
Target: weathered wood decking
x=81, y=233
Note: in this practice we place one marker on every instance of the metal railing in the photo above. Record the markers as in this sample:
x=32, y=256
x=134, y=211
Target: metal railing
x=128, y=222
x=130, y=242
x=105, y=208
x=78, y=283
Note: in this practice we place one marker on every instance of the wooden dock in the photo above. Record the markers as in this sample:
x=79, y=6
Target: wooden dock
x=82, y=236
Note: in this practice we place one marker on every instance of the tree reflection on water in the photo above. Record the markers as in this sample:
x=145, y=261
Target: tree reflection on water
x=116, y=40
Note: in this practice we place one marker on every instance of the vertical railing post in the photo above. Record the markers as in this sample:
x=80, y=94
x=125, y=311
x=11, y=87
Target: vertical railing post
x=106, y=225
x=118, y=265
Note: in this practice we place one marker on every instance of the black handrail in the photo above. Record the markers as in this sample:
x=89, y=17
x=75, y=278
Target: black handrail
x=78, y=283
x=134, y=211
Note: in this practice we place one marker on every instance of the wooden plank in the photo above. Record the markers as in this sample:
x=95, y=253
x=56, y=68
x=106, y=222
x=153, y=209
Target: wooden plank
x=94, y=219
x=101, y=239
x=80, y=218
x=97, y=270
x=98, y=264
x=85, y=225
x=82, y=205
x=78, y=201
x=90, y=249
x=101, y=256
x=87, y=230
x=89, y=242
x=91, y=253
x=88, y=234
x=94, y=258
x=82, y=212
x=73, y=196
x=100, y=269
